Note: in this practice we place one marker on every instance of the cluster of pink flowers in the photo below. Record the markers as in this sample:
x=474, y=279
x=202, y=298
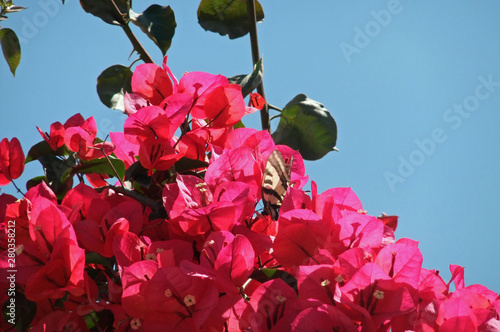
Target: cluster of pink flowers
x=101, y=257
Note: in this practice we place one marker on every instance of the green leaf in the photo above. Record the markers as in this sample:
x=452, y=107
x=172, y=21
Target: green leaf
x=101, y=166
x=95, y=258
x=56, y=172
x=39, y=149
x=112, y=85
x=240, y=124
x=11, y=48
x=137, y=174
x=14, y=9
x=251, y=81
x=263, y=275
x=227, y=17
x=91, y=319
x=34, y=182
x=106, y=11
x=307, y=126
x=186, y=164
x=158, y=23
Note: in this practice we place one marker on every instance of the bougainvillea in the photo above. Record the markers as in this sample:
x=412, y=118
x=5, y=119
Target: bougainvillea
x=167, y=231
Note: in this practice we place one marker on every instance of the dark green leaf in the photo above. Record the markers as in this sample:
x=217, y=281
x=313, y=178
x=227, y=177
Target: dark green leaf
x=95, y=258
x=101, y=166
x=158, y=22
x=56, y=172
x=112, y=85
x=137, y=174
x=249, y=82
x=34, y=182
x=105, y=10
x=39, y=149
x=263, y=275
x=307, y=126
x=11, y=48
x=23, y=313
x=59, y=303
x=186, y=164
x=227, y=17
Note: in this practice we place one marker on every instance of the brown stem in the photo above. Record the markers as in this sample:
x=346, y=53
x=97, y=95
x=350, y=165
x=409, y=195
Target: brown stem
x=17, y=188
x=146, y=201
x=133, y=39
x=112, y=166
x=252, y=17
x=137, y=46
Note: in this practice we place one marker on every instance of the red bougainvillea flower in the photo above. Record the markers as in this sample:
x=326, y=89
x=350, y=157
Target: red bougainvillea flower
x=60, y=321
x=376, y=292
x=199, y=85
x=389, y=221
x=79, y=141
x=11, y=160
x=151, y=83
x=133, y=103
x=178, y=302
x=323, y=318
x=203, y=141
x=256, y=101
x=148, y=122
x=63, y=273
x=402, y=261
x=157, y=154
x=124, y=149
x=82, y=139
x=300, y=234
x=234, y=263
x=236, y=165
x=135, y=280
x=76, y=120
x=156, y=122
x=275, y=306
x=56, y=136
x=224, y=106
x=260, y=142
x=358, y=230
x=188, y=192
x=196, y=211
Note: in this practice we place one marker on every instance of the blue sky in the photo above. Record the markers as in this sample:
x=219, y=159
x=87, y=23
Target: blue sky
x=414, y=88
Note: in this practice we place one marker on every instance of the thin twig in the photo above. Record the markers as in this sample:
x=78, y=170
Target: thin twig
x=274, y=108
x=17, y=188
x=275, y=116
x=133, y=39
x=252, y=20
x=111, y=164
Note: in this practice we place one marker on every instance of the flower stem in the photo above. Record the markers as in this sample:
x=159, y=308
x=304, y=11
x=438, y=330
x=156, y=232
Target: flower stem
x=252, y=17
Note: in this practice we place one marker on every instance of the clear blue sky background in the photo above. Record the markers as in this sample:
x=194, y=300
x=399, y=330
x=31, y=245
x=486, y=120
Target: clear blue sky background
x=395, y=89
